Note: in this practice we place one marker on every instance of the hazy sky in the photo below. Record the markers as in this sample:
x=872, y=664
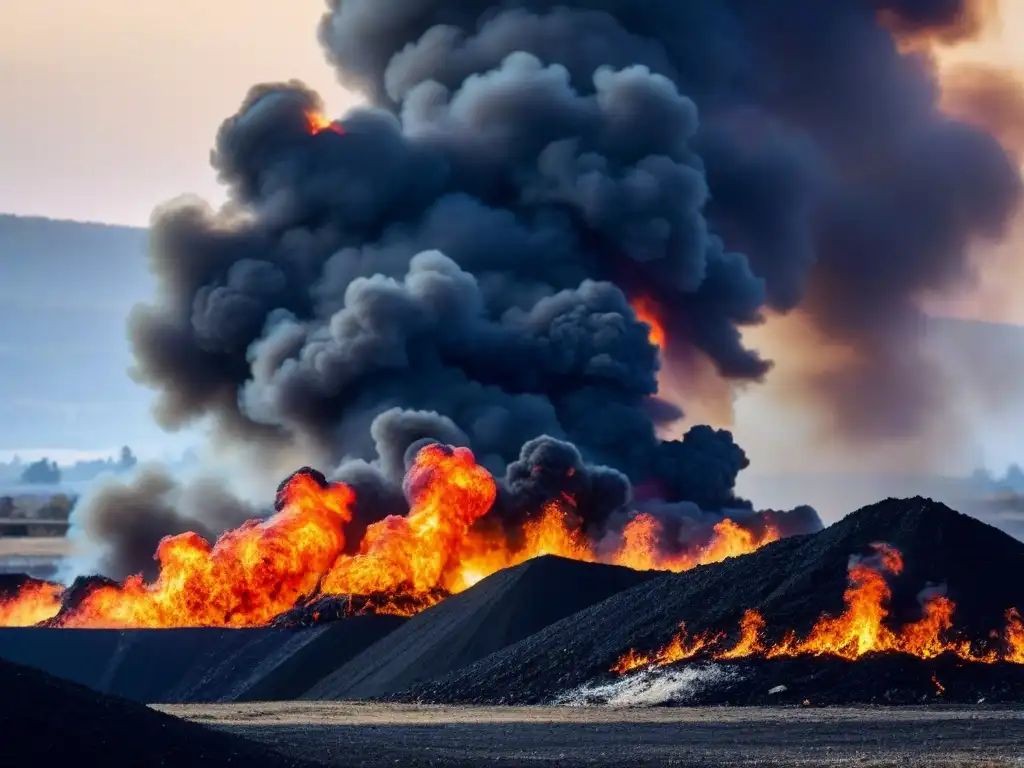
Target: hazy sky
x=111, y=106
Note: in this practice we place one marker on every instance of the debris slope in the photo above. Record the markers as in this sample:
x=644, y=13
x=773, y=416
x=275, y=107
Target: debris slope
x=791, y=583
x=500, y=611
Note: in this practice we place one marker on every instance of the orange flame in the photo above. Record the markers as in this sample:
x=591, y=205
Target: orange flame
x=317, y=122
x=404, y=564
x=33, y=604
x=252, y=574
x=647, y=312
x=680, y=648
x=858, y=631
x=422, y=551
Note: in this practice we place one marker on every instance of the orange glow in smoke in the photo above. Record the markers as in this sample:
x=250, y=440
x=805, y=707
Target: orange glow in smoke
x=647, y=312
x=317, y=122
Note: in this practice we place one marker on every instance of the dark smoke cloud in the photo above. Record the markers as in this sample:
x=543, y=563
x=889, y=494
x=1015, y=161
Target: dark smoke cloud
x=457, y=263
x=848, y=191
x=127, y=519
x=553, y=471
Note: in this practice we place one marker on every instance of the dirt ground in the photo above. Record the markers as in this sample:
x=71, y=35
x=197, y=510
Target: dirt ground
x=414, y=736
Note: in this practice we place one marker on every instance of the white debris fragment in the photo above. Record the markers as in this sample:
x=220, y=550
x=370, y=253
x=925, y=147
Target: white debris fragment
x=778, y=689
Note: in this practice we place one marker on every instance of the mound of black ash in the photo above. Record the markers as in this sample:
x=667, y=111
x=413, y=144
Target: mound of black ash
x=499, y=611
x=34, y=704
x=791, y=583
x=195, y=664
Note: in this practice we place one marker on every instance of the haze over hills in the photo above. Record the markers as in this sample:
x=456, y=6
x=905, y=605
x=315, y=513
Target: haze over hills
x=65, y=292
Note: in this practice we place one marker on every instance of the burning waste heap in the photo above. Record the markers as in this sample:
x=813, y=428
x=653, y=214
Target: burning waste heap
x=837, y=617
x=461, y=299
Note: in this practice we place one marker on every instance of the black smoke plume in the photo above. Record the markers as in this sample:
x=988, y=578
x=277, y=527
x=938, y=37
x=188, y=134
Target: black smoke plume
x=122, y=522
x=457, y=261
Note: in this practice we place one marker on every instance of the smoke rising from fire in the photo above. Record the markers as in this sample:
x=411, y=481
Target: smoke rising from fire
x=462, y=260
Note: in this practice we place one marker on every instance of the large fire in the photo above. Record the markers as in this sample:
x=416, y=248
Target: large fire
x=404, y=564
x=858, y=631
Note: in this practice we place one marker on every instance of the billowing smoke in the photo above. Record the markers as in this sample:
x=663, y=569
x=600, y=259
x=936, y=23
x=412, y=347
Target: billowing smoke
x=459, y=260
x=848, y=191
x=120, y=523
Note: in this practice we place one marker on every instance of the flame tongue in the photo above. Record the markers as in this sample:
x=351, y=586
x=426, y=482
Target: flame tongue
x=858, y=631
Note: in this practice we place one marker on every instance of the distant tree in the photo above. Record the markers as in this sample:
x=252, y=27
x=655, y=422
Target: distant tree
x=7, y=507
x=42, y=472
x=982, y=480
x=127, y=460
x=57, y=507
x=1014, y=478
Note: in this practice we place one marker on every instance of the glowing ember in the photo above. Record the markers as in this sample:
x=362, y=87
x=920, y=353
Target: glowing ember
x=647, y=312
x=404, y=564
x=318, y=122
x=858, y=631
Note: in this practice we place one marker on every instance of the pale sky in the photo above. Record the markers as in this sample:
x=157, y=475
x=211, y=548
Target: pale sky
x=111, y=106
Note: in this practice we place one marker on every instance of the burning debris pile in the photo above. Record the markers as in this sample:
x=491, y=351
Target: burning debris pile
x=498, y=612
x=195, y=665
x=858, y=631
x=293, y=568
x=921, y=603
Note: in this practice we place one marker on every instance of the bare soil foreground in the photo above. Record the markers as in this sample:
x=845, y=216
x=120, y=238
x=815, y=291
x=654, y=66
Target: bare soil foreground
x=418, y=736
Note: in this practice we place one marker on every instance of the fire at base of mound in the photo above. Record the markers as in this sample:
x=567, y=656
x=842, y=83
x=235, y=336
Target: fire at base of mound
x=858, y=632
x=292, y=568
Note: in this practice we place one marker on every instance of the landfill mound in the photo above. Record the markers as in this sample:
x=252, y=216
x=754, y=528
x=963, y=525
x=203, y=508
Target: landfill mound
x=791, y=583
x=59, y=723
x=194, y=665
x=499, y=611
